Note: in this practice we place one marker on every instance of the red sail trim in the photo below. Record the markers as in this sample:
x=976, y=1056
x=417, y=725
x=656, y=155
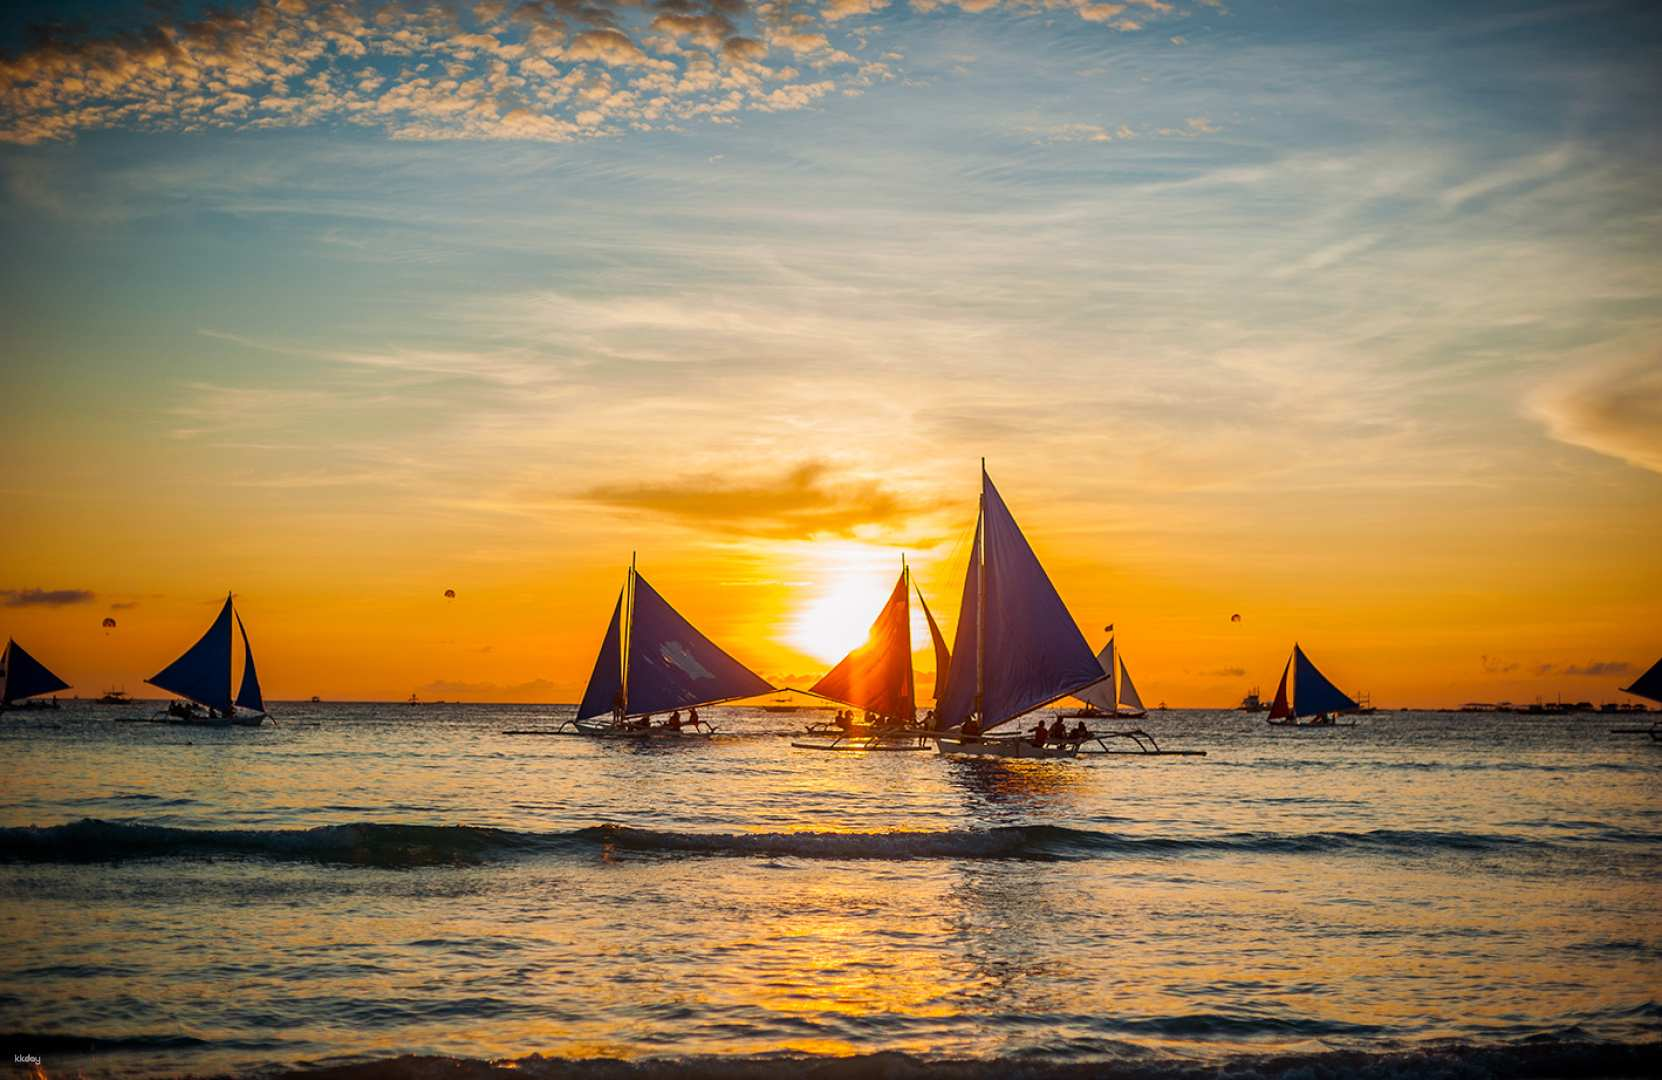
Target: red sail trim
x=1281, y=709
x=877, y=676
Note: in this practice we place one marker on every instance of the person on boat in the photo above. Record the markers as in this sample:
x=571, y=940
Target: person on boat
x=844, y=722
x=643, y=724
x=1040, y=734
x=970, y=730
x=1080, y=732
x=1059, y=730
x=674, y=721
x=618, y=719
x=692, y=718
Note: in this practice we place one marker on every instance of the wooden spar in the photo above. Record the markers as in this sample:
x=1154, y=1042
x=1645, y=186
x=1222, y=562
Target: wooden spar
x=981, y=594
x=625, y=632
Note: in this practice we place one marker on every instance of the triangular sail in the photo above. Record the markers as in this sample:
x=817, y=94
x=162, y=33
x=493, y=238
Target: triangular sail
x=1129, y=700
x=1100, y=695
x=22, y=676
x=606, y=681
x=673, y=666
x=1033, y=652
x=1281, y=710
x=1648, y=685
x=1312, y=693
x=203, y=674
x=248, y=694
x=943, y=657
x=877, y=676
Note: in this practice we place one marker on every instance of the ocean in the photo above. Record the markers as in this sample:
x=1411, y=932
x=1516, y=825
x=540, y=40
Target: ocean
x=374, y=888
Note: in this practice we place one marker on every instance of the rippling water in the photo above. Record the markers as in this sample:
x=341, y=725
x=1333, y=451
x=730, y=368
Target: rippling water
x=368, y=881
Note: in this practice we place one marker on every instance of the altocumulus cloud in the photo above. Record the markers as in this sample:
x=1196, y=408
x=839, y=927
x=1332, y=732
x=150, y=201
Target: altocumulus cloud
x=550, y=70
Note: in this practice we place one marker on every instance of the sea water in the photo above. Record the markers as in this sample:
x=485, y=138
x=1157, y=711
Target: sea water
x=1469, y=894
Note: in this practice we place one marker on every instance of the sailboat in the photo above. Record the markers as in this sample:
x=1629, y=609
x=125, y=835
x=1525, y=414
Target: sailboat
x=877, y=677
x=22, y=677
x=1105, y=698
x=1310, y=695
x=1649, y=686
x=654, y=661
x=203, y=676
x=1028, y=651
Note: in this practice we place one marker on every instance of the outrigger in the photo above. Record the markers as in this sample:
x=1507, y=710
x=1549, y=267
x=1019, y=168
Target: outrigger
x=1310, y=695
x=1028, y=653
x=654, y=661
x=202, y=678
x=876, y=677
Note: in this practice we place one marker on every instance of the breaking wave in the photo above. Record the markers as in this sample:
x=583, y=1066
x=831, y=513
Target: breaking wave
x=400, y=845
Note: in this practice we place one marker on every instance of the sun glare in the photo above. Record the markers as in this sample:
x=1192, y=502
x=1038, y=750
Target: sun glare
x=856, y=579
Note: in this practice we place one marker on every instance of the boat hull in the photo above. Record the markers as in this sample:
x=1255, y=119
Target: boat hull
x=1003, y=748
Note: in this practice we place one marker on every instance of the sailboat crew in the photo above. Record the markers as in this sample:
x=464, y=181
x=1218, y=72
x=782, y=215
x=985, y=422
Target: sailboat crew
x=1058, y=730
x=674, y=721
x=1040, y=733
x=1080, y=732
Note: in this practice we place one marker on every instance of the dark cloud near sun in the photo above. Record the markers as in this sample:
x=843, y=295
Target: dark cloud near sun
x=805, y=501
x=44, y=597
x=1614, y=408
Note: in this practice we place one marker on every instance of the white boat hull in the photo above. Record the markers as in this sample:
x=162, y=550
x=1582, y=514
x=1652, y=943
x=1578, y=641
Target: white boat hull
x=1003, y=748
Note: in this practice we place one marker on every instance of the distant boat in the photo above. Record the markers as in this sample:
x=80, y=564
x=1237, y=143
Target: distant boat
x=1105, y=698
x=877, y=678
x=1648, y=686
x=1310, y=695
x=1252, y=702
x=1028, y=650
x=115, y=697
x=202, y=676
x=23, y=677
x=654, y=661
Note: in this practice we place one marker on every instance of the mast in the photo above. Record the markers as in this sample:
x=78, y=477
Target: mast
x=981, y=594
x=625, y=632
x=911, y=681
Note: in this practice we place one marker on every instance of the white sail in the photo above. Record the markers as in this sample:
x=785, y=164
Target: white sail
x=1129, y=701
x=1100, y=695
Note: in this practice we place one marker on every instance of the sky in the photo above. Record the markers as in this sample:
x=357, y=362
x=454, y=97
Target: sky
x=1342, y=317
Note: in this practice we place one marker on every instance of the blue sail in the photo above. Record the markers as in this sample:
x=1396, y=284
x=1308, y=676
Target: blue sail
x=1312, y=693
x=1034, y=652
x=943, y=658
x=248, y=694
x=1648, y=685
x=22, y=676
x=203, y=674
x=673, y=666
x=606, y=680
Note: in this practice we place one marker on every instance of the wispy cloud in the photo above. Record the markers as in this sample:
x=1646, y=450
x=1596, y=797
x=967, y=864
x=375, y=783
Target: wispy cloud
x=1613, y=407
x=44, y=597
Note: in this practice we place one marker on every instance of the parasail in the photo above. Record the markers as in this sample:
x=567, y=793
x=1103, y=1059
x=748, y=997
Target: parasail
x=450, y=594
x=109, y=623
x=1234, y=618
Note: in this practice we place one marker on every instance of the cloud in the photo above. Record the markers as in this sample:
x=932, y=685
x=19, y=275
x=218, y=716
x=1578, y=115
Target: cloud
x=124, y=605
x=1592, y=668
x=1599, y=667
x=1226, y=673
x=44, y=597
x=800, y=504
x=1614, y=408
x=534, y=689
x=551, y=70
x=1496, y=666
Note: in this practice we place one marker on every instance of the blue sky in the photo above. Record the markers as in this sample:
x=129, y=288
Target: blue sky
x=1220, y=284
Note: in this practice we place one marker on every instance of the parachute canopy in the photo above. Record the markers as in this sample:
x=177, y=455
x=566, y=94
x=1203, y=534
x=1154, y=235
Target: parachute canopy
x=450, y=594
x=109, y=623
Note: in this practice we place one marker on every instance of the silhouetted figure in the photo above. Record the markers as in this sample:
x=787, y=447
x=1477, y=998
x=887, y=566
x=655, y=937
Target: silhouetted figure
x=1040, y=734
